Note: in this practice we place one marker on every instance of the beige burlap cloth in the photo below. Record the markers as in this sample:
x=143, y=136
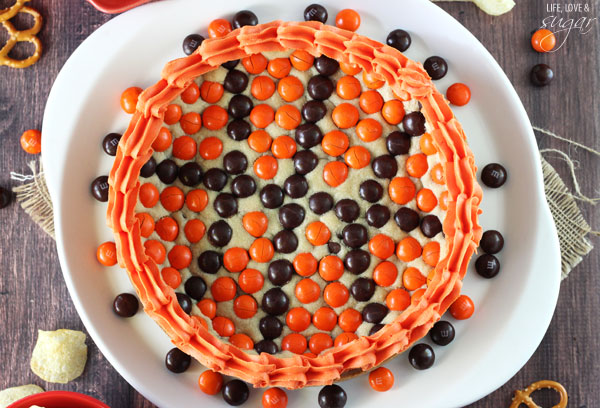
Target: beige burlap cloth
x=572, y=228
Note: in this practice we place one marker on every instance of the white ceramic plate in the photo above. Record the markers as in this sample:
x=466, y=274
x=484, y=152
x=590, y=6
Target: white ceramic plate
x=513, y=309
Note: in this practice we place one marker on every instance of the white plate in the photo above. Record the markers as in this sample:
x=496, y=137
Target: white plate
x=513, y=310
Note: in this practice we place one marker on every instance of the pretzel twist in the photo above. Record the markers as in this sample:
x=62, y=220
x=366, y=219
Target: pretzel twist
x=524, y=396
x=17, y=36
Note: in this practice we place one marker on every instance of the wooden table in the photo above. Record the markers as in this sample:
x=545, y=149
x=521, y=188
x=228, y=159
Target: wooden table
x=33, y=294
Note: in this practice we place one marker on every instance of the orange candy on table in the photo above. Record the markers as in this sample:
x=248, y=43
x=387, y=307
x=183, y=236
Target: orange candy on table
x=262, y=115
x=458, y=94
x=543, y=40
x=184, y=148
x=412, y=278
x=180, y=257
x=235, y=259
x=319, y=342
x=301, y=60
x=242, y=341
x=348, y=87
x=305, y=264
x=371, y=102
x=283, y=147
x=288, y=117
x=347, y=19
x=245, y=306
x=196, y=200
x=155, y=250
x=344, y=338
x=262, y=87
x=335, y=173
x=171, y=276
x=214, y=117
x=194, y=230
x=372, y=80
x=129, y=98
x=210, y=382
x=211, y=92
x=163, y=140
x=416, y=165
x=191, y=93
x=255, y=223
x=266, y=167
x=219, y=28
x=426, y=200
x=260, y=141
x=369, y=129
x=147, y=224
x=172, y=198
x=255, y=63
x=325, y=319
x=381, y=379
x=31, y=141
x=223, y=289
x=148, y=195
x=317, y=233
x=172, y=114
x=167, y=229
x=462, y=308
x=349, y=320
x=261, y=250
x=331, y=268
x=307, y=291
x=397, y=299
x=223, y=326
x=431, y=253
x=345, y=115
x=335, y=143
x=385, y=273
x=251, y=280
x=401, y=190
x=274, y=398
x=290, y=88
x=382, y=246
x=295, y=343
x=298, y=319
x=279, y=67
x=408, y=249
x=210, y=148
x=107, y=254
x=336, y=294
x=357, y=157
x=208, y=308
x=191, y=123
x=393, y=111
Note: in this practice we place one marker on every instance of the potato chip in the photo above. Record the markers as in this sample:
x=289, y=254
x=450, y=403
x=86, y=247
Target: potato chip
x=10, y=395
x=59, y=356
x=492, y=7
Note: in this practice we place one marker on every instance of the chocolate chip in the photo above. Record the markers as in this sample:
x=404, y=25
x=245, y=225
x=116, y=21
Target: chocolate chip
x=371, y=191
x=191, y=43
x=195, y=287
x=126, y=305
x=374, y=312
x=442, y=333
x=177, y=361
x=244, y=18
x=280, y=272
x=219, y=233
x=334, y=247
x=99, y=188
x=271, y=196
x=332, y=396
x=326, y=66
x=431, y=226
x=487, y=266
x=320, y=202
x=270, y=327
x=377, y=215
x=308, y=135
x=384, y=166
x=235, y=81
x=266, y=346
x=398, y=143
x=436, y=67
x=313, y=111
x=295, y=186
x=291, y=215
x=541, y=75
x=167, y=171
x=184, y=302
x=149, y=168
x=399, y=39
x=421, y=356
x=285, y=242
x=355, y=235
x=225, y=205
x=190, y=174
x=240, y=106
x=210, y=261
x=305, y=161
x=5, y=197
x=235, y=392
x=347, y=210
x=235, y=162
x=362, y=289
x=110, y=143
x=275, y=302
x=320, y=87
x=407, y=219
x=215, y=179
x=357, y=261
x=238, y=129
x=492, y=242
x=493, y=175
x=414, y=123
x=243, y=186
x=229, y=65
x=315, y=12
x=375, y=328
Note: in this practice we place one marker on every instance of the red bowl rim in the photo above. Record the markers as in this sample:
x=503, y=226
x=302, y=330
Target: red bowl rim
x=106, y=7
x=58, y=397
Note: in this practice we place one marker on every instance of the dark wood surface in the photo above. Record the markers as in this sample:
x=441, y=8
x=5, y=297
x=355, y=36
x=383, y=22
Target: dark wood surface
x=32, y=292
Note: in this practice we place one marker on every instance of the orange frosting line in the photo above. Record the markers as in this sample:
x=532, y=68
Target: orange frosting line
x=408, y=80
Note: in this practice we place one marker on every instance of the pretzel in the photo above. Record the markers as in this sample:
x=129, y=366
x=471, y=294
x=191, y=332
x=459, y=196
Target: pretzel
x=16, y=36
x=524, y=396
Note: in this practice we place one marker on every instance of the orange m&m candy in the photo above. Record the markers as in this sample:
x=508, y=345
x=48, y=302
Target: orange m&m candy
x=191, y=122
x=184, y=148
x=255, y=223
x=431, y=253
x=260, y=141
x=242, y=341
x=416, y=165
x=372, y=80
x=163, y=140
x=408, y=249
x=426, y=200
x=349, y=320
x=385, y=274
x=331, y=268
x=393, y=111
x=31, y=141
x=397, y=299
x=107, y=254
x=283, y=147
x=290, y=88
x=279, y=67
x=349, y=68
x=251, y=280
x=210, y=382
x=381, y=379
x=171, y=276
x=196, y=200
x=214, y=117
x=412, y=278
x=371, y=102
x=458, y=94
x=211, y=92
x=210, y=148
x=262, y=87
x=191, y=94
x=274, y=398
x=194, y=230
x=462, y=308
x=167, y=229
x=319, y=342
x=148, y=195
x=344, y=338
x=335, y=143
x=180, y=257
x=437, y=174
x=172, y=198
x=301, y=60
x=235, y=259
x=172, y=114
x=357, y=157
x=307, y=291
x=155, y=250
x=223, y=289
x=317, y=233
x=208, y=308
x=288, y=117
x=255, y=63
x=348, y=87
x=543, y=40
x=146, y=224
x=129, y=98
x=335, y=173
x=223, y=326
x=261, y=250
x=262, y=115
x=325, y=319
x=347, y=19
x=305, y=264
x=298, y=319
x=294, y=342
x=382, y=246
x=345, y=115
x=266, y=167
x=245, y=306
x=401, y=190
x=426, y=144
x=219, y=28
x=336, y=294
x=369, y=130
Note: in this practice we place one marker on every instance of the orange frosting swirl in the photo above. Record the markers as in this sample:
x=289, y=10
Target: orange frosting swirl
x=408, y=80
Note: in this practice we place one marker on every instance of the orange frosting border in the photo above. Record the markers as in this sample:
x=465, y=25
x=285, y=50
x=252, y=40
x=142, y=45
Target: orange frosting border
x=408, y=80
